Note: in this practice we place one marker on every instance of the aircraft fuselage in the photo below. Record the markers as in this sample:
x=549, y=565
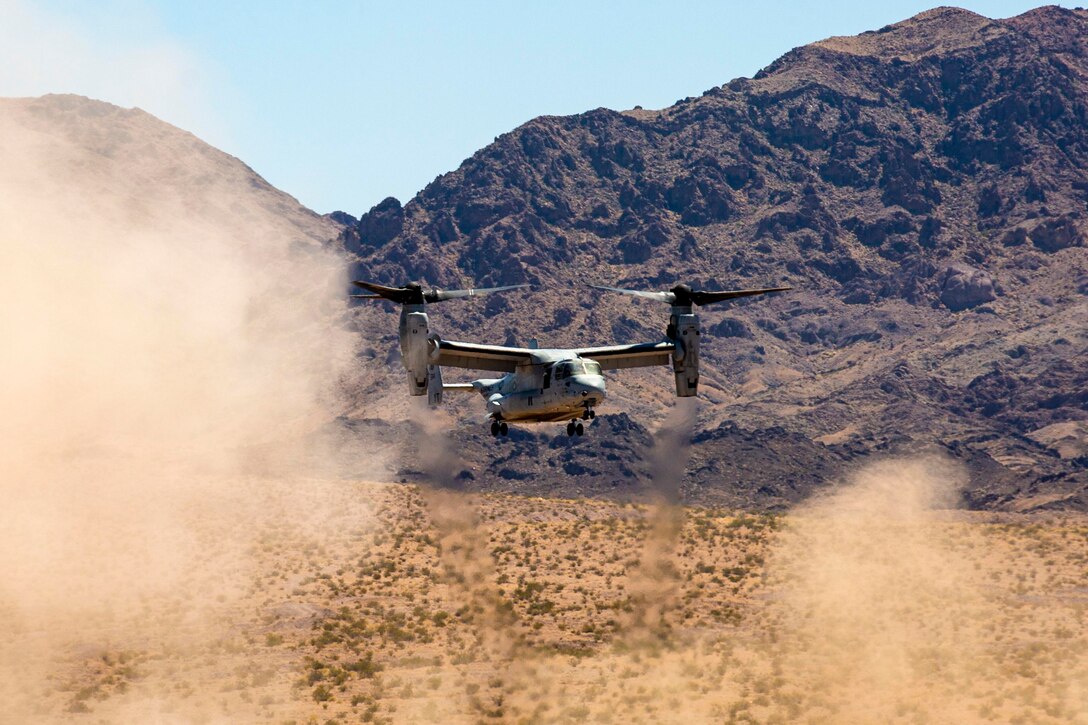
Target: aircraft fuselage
x=566, y=388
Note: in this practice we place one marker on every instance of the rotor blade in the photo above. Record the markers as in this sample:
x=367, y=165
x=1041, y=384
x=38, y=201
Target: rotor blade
x=380, y=290
x=709, y=298
x=452, y=294
x=403, y=295
x=659, y=296
x=366, y=297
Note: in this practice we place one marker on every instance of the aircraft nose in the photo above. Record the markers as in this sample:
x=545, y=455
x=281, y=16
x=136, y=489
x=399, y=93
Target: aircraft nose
x=591, y=386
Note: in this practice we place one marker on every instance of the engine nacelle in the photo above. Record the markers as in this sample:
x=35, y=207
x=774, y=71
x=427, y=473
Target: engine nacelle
x=684, y=332
x=414, y=333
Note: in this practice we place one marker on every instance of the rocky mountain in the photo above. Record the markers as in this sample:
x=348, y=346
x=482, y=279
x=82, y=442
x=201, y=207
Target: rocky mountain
x=924, y=187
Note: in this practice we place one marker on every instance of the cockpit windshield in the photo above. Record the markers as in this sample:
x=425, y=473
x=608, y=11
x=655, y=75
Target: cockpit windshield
x=576, y=367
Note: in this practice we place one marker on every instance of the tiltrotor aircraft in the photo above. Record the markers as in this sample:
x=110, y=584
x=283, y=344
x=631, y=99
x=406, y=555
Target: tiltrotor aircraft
x=543, y=385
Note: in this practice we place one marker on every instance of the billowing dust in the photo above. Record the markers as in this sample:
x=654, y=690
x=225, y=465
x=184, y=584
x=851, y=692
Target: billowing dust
x=877, y=614
x=163, y=359
x=467, y=566
x=655, y=582
x=877, y=602
x=508, y=666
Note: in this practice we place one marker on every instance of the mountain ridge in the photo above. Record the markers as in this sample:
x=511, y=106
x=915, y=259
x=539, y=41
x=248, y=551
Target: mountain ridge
x=922, y=187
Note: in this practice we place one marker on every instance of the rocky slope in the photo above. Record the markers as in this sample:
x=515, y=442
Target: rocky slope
x=923, y=186
x=66, y=145
x=160, y=297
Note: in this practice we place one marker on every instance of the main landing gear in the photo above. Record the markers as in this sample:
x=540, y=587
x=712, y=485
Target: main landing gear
x=575, y=427
x=499, y=429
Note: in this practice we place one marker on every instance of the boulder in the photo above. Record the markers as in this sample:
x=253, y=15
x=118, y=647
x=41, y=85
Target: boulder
x=963, y=287
x=1056, y=234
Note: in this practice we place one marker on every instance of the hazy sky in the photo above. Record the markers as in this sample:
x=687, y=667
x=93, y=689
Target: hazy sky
x=344, y=103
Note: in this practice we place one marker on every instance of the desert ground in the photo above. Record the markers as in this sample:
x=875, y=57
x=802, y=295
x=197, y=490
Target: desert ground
x=322, y=601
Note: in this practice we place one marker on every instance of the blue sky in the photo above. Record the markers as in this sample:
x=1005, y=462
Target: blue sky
x=344, y=103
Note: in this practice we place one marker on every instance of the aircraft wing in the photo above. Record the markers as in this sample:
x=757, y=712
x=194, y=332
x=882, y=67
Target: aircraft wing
x=639, y=355
x=472, y=356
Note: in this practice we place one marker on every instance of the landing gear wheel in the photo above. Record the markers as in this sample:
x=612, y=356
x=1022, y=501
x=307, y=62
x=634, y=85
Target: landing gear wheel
x=579, y=429
x=504, y=428
x=592, y=413
x=494, y=428
x=586, y=414
x=570, y=428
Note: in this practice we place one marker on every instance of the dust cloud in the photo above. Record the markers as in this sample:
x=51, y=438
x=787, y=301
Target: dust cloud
x=468, y=566
x=883, y=606
x=654, y=584
x=874, y=600
x=168, y=343
x=507, y=679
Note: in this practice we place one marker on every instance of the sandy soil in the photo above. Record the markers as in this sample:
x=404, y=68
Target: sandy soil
x=396, y=604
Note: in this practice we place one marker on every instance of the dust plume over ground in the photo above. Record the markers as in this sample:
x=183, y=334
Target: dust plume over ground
x=876, y=603
x=654, y=583
x=468, y=567
x=876, y=606
x=161, y=337
x=510, y=678
x=886, y=611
